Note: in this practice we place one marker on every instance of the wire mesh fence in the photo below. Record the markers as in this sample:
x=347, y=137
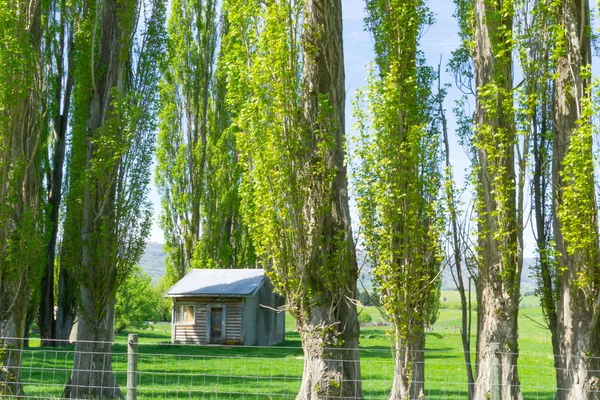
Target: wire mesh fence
x=166, y=371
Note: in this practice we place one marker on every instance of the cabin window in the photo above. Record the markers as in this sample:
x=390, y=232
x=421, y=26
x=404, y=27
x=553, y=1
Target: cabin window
x=185, y=314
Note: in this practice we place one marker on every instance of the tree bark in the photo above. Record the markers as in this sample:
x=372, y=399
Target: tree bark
x=500, y=259
x=409, y=367
x=578, y=304
x=329, y=324
x=92, y=375
x=331, y=355
x=498, y=325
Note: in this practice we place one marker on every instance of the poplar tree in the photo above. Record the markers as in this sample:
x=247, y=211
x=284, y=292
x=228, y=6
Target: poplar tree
x=398, y=182
x=113, y=125
x=184, y=118
x=535, y=25
x=499, y=229
x=226, y=240
x=286, y=92
x=575, y=206
x=486, y=28
x=59, y=45
x=22, y=139
x=198, y=174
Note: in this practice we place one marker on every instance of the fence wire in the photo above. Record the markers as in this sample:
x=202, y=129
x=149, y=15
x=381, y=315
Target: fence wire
x=168, y=371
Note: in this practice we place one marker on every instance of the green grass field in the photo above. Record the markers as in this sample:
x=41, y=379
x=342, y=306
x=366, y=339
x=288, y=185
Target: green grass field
x=451, y=299
x=192, y=372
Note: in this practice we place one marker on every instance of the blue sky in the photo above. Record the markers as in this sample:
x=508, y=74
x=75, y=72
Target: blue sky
x=439, y=40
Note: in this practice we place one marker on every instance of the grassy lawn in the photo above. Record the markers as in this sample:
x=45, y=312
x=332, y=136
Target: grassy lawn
x=192, y=372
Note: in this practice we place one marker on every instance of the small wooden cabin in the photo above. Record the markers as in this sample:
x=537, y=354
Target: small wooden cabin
x=226, y=306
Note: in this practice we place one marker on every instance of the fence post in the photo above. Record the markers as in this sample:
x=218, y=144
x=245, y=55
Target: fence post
x=496, y=371
x=132, y=359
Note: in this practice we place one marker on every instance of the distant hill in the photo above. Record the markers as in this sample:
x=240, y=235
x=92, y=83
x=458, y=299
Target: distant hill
x=153, y=261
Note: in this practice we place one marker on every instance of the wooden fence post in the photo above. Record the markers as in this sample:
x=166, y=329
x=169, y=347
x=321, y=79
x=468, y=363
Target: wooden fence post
x=132, y=359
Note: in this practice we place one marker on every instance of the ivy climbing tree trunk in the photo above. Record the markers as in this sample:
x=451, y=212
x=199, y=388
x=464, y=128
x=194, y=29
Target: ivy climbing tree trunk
x=499, y=258
x=575, y=206
x=22, y=138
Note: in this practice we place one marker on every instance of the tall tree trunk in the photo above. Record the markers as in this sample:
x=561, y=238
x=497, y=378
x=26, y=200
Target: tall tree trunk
x=575, y=222
x=500, y=262
x=541, y=198
x=498, y=325
x=116, y=120
x=62, y=101
x=329, y=371
x=93, y=376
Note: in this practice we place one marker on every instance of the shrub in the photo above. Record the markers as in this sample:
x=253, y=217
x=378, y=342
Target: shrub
x=364, y=317
x=139, y=302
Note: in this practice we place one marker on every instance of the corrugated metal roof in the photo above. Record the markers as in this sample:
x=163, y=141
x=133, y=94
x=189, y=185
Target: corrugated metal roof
x=220, y=282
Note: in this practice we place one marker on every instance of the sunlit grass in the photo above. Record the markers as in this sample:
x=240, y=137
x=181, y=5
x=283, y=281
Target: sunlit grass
x=187, y=371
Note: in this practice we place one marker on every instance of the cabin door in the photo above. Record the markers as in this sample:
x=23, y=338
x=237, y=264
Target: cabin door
x=216, y=325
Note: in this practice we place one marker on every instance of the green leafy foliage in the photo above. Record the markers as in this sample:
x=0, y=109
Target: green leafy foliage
x=198, y=174
x=113, y=122
x=578, y=211
x=286, y=93
x=262, y=57
x=23, y=135
x=139, y=302
x=397, y=178
x=364, y=317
